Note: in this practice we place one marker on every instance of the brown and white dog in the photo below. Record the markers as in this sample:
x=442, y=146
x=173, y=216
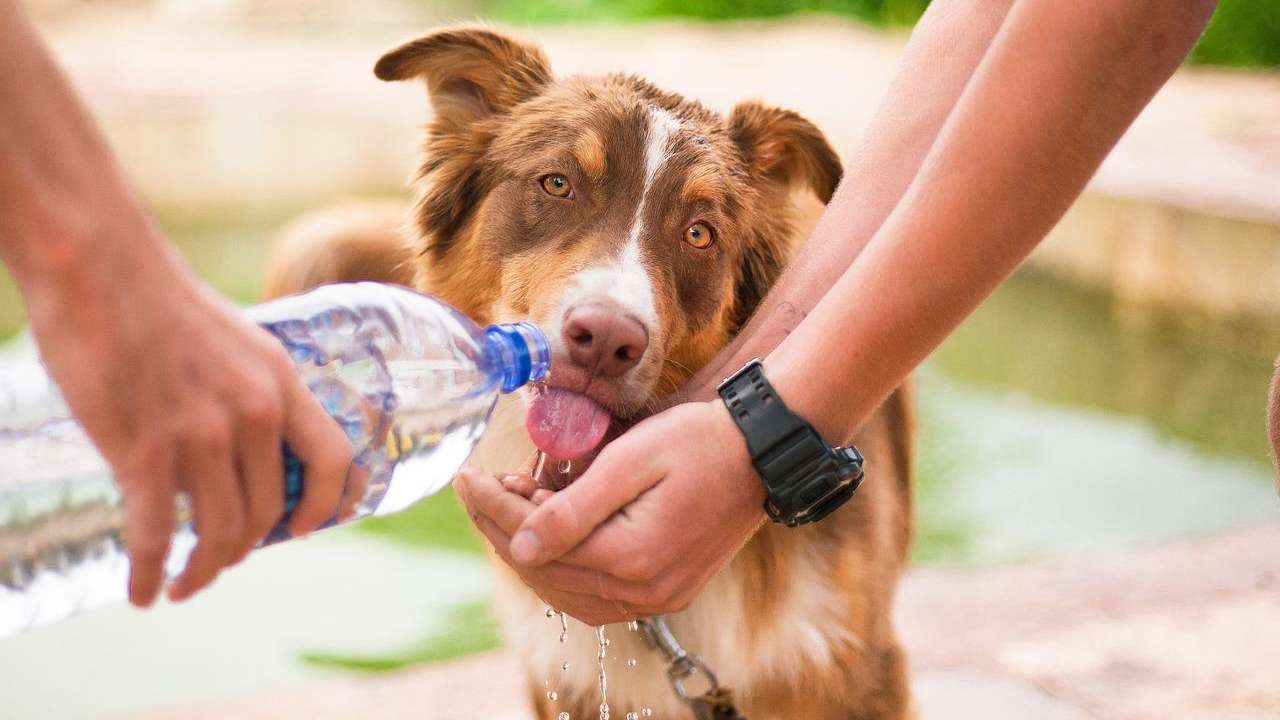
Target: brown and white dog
x=639, y=229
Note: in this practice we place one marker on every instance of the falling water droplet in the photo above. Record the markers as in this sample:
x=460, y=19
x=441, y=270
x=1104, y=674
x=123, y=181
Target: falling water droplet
x=632, y=662
x=550, y=613
x=564, y=636
x=564, y=627
x=565, y=466
x=565, y=666
x=646, y=712
x=552, y=696
x=563, y=716
x=604, y=682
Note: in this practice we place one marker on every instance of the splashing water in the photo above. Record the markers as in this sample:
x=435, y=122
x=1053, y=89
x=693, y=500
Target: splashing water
x=563, y=716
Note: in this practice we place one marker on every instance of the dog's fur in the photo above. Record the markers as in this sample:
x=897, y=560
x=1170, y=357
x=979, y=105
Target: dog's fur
x=798, y=624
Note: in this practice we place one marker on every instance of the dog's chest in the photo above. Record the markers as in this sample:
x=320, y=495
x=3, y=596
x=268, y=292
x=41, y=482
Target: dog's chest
x=799, y=640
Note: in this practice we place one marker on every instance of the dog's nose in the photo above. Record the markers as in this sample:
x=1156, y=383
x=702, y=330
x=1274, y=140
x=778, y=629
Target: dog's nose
x=602, y=337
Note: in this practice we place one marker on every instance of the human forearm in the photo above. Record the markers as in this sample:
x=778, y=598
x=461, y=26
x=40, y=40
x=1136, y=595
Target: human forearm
x=179, y=392
x=1057, y=89
x=941, y=56
x=60, y=189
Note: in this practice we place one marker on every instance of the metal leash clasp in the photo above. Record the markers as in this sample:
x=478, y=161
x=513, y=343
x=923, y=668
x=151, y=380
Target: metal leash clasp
x=716, y=702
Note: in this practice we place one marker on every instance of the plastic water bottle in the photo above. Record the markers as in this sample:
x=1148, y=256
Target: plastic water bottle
x=411, y=380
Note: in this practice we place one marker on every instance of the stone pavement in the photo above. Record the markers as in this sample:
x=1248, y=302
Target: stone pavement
x=1185, y=631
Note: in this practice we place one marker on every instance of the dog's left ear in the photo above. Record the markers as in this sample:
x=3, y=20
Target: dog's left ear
x=786, y=151
x=473, y=74
x=471, y=71
x=783, y=147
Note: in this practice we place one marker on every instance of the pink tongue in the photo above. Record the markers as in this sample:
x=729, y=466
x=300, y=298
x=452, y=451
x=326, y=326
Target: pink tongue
x=564, y=424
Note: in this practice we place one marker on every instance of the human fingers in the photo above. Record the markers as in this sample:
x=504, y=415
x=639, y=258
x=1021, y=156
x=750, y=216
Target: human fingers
x=260, y=461
x=149, y=506
x=622, y=471
x=325, y=453
x=217, y=507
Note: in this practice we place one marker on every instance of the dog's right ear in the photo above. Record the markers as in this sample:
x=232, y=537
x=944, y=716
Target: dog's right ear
x=471, y=71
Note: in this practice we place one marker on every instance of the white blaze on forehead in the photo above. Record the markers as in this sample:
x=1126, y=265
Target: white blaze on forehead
x=624, y=279
x=662, y=125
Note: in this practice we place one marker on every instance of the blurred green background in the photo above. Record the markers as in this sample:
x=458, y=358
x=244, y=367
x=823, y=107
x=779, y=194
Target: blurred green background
x=1243, y=33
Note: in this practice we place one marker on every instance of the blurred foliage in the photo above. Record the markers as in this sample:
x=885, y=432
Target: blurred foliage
x=437, y=522
x=1242, y=33
x=885, y=12
x=466, y=630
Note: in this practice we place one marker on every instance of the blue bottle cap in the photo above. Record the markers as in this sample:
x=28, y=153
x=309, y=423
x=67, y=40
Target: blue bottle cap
x=522, y=351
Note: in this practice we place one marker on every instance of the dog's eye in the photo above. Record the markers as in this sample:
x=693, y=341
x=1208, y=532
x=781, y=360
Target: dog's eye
x=699, y=235
x=556, y=185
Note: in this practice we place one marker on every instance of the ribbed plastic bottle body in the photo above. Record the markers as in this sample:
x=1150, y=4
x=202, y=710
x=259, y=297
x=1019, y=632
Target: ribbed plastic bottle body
x=409, y=379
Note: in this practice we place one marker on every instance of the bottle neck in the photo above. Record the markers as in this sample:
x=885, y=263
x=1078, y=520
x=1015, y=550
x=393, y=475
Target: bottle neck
x=520, y=352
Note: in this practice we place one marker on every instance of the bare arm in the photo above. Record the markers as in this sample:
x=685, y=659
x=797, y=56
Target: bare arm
x=1059, y=86
x=176, y=389
x=941, y=56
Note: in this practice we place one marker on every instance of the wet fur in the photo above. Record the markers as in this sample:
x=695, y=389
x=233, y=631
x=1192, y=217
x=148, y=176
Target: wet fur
x=799, y=624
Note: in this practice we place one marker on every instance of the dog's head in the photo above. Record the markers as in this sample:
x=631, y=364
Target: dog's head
x=639, y=229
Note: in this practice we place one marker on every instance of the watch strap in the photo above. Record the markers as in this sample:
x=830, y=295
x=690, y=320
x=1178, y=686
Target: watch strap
x=804, y=478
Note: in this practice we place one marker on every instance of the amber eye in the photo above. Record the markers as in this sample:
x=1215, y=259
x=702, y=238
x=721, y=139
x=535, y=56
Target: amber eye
x=556, y=185
x=699, y=235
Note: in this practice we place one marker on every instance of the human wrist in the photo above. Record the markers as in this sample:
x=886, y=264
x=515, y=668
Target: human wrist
x=750, y=488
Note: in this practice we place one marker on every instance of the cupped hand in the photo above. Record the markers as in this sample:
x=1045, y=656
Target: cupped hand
x=181, y=394
x=660, y=512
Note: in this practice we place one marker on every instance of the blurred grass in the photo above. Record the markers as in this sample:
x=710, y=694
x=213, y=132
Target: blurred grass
x=437, y=522
x=1243, y=33
x=466, y=630
x=880, y=12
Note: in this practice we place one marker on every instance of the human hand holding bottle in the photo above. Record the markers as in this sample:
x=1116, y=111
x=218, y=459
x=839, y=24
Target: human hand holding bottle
x=178, y=391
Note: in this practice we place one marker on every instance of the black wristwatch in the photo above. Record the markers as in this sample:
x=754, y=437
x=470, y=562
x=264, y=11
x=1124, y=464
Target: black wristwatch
x=805, y=478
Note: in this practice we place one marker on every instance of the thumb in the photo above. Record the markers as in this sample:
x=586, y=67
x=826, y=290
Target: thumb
x=622, y=471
